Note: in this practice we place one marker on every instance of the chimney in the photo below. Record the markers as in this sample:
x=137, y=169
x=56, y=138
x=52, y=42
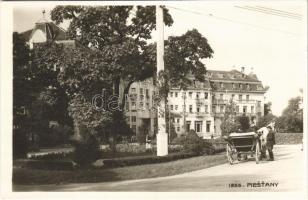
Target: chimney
x=251, y=70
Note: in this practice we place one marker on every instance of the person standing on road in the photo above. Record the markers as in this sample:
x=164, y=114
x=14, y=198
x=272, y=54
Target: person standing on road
x=270, y=142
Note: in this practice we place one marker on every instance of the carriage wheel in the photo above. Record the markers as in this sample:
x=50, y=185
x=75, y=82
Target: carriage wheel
x=258, y=152
x=229, y=154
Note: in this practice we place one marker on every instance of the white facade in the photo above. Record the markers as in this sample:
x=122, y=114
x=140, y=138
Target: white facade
x=201, y=106
x=139, y=106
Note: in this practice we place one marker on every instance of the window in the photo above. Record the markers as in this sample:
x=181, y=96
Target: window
x=141, y=96
x=198, y=109
x=237, y=109
x=221, y=109
x=252, y=109
x=133, y=105
x=240, y=97
x=197, y=95
x=147, y=105
x=214, y=108
x=205, y=95
x=206, y=108
x=190, y=94
x=233, y=85
x=147, y=93
x=134, y=128
x=134, y=118
x=177, y=120
x=221, y=85
x=247, y=86
x=127, y=106
x=141, y=105
x=176, y=94
x=233, y=95
x=188, y=125
x=244, y=109
x=208, y=126
x=247, y=97
x=171, y=94
x=241, y=86
x=133, y=90
x=221, y=96
x=171, y=107
x=190, y=108
x=141, y=90
x=178, y=129
x=198, y=126
x=176, y=107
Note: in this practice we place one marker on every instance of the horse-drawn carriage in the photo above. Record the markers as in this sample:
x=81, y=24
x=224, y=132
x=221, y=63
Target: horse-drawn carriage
x=243, y=145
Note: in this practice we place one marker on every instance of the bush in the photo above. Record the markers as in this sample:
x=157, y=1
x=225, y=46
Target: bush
x=140, y=160
x=130, y=148
x=193, y=143
x=86, y=151
x=265, y=120
x=229, y=125
x=20, y=144
x=45, y=165
x=289, y=138
x=178, y=140
x=52, y=156
x=244, y=122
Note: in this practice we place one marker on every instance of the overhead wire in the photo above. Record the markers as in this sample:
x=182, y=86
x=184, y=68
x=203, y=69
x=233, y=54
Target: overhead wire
x=210, y=15
x=269, y=12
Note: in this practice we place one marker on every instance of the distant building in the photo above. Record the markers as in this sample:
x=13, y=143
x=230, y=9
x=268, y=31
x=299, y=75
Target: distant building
x=139, y=106
x=204, y=103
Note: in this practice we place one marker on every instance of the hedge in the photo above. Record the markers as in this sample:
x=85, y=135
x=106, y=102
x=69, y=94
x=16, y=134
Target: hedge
x=140, y=160
x=45, y=164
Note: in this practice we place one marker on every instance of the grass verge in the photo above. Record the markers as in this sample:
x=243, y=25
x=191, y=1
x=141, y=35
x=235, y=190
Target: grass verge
x=23, y=176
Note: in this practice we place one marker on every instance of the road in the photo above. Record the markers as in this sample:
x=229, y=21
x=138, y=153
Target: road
x=283, y=174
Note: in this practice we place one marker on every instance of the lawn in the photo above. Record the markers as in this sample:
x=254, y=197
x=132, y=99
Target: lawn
x=23, y=176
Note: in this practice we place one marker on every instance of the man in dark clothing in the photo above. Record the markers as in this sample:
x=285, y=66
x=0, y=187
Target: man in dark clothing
x=270, y=142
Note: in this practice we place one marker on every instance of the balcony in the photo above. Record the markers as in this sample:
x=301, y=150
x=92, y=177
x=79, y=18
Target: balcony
x=246, y=101
x=219, y=101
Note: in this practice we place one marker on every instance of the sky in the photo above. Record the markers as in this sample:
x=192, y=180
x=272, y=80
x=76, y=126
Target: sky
x=270, y=45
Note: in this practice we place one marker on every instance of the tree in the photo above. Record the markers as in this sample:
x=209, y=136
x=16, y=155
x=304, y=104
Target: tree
x=244, y=123
x=291, y=119
x=120, y=38
x=267, y=108
x=183, y=57
x=265, y=120
x=21, y=97
x=229, y=122
x=111, y=52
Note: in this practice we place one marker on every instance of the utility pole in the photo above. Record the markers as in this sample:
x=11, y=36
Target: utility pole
x=162, y=136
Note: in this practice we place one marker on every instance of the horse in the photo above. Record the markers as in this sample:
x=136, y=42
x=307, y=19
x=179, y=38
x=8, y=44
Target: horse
x=263, y=132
